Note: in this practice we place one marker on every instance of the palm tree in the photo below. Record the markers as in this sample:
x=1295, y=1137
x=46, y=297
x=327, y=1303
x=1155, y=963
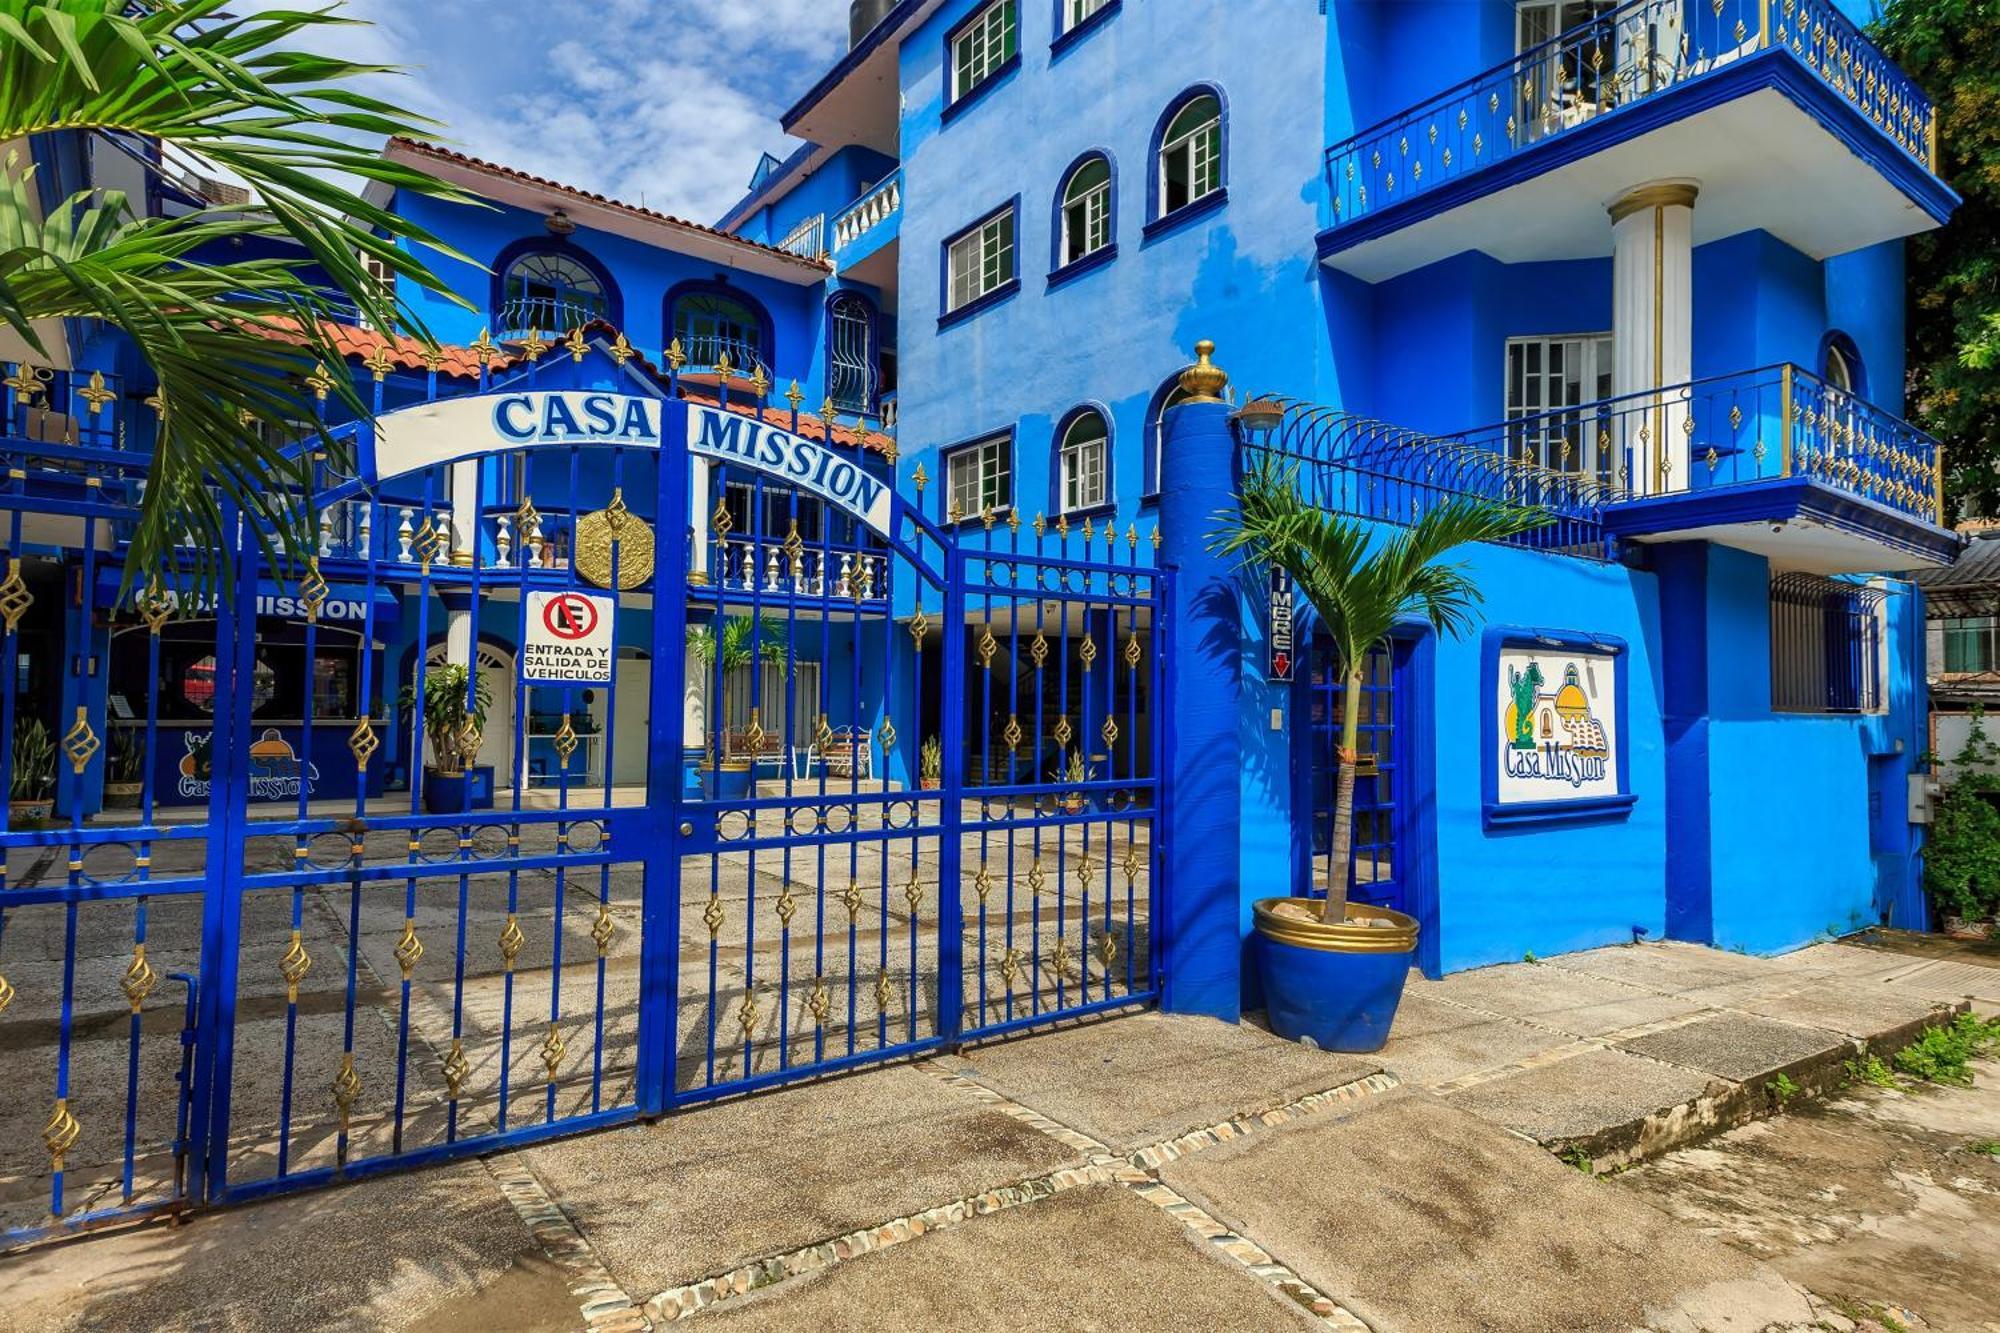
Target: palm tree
x=1360, y=584
x=242, y=92
x=741, y=644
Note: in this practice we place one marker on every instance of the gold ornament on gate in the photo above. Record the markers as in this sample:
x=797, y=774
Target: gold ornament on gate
x=595, y=535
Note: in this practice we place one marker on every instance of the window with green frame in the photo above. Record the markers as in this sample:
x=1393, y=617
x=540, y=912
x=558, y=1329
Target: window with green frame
x=982, y=46
x=1969, y=643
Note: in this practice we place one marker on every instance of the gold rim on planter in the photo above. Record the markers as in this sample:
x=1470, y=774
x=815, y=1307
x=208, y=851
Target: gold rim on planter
x=1342, y=938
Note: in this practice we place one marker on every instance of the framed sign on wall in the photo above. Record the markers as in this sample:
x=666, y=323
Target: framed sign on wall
x=1554, y=745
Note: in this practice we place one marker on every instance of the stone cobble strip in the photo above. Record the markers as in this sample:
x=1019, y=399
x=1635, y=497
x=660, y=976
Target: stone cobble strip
x=605, y=1306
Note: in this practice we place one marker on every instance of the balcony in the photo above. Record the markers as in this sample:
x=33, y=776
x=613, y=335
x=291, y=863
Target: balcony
x=542, y=316
x=1774, y=461
x=868, y=227
x=1781, y=111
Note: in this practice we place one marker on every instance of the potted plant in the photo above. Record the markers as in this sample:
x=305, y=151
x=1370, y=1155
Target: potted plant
x=738, y=646
x=930, y=771
x=455, y=702
x=1076, y=773
x=125, y=770
x=1333, y=971
x=32, y=788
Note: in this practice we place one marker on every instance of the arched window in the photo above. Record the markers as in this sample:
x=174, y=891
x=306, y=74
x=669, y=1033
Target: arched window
x=1167, y=395
x=1085, y=225
x=550, y=292
x=1083, y=461
x=1840, y=364
x=712, y=322
x=851, y=378
x=1189, y=156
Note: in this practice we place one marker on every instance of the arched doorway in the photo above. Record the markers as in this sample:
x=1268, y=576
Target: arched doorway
x=496, y=671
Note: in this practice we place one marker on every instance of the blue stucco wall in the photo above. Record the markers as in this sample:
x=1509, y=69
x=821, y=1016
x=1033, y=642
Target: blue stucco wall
x=642, y=273
x=1242, y=275
x=827, y=190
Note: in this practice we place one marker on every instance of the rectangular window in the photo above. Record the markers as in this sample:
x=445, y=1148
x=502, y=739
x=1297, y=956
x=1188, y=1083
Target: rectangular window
x=1969, y=643
x=1083, y=471
x=1826, y=645
x=979, y=477
x=1076, y=11
x=980, y=261
x=982, y=46
x=1546, y=377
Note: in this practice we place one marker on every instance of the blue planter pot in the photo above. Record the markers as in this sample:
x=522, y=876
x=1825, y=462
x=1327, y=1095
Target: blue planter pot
x=444, y=793
x=730, y=782
x=1334, y=985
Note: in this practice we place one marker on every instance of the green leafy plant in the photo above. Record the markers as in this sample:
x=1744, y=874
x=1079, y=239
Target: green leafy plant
x=931, y=761
x=1962, y=854
x=1872, y=1070
x=737, y=647
x=34, y=768
x=1985, y=1147
x=1782, y=1089
x=1529, y=957
x=455, y=702
x=200, y=86
x=1579, y=1160
x=1360, y=580
x=1944, y=1054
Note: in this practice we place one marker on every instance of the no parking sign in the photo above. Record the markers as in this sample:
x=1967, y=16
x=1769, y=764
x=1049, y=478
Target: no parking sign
x=569, y=639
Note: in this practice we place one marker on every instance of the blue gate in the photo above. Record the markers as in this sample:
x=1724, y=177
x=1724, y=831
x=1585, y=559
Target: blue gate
x=625, y=741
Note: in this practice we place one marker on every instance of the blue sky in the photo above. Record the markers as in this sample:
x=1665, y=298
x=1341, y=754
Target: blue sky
x=665, y=102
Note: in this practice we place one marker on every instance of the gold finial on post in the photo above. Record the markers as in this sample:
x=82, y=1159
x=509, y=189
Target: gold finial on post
x=1204, y=381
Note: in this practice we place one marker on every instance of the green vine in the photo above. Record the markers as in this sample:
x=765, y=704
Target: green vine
x=1962, y=855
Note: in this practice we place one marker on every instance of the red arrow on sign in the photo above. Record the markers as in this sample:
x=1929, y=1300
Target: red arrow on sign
x=570, y=617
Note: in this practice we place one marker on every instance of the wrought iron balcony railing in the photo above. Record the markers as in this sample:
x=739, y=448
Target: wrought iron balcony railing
x=544, y=316
x=1637, y=51
x=877, y=205
x=1730, y=430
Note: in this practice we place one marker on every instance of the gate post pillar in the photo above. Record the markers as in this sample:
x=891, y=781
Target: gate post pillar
x=1226, y=758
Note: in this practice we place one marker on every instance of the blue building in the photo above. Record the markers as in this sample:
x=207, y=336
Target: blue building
x=1643, y=257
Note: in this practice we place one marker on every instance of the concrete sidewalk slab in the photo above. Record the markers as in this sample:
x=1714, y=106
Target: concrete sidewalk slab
x=1876, y=1012
x=1581, y=1100
x=1668, y=969
x=387, y=1253
x=1569, y=1001
x=1422, y=1217
x=1098, y=1258
x=1137, y=1080
x=708, y=1189
x=1740, y=1048
x=1441, y=1056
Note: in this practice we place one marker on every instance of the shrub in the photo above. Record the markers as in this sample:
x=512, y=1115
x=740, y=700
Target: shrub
x=1962, y=855
x=1945, y=1054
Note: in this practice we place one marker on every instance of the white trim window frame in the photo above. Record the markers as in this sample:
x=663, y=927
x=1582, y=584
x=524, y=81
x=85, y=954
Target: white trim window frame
x=1551, y=374
x=986, y=43
x=980, y=261
x=1086, y=210
x=1074, y=12
x=978, y=477
x=1083, y=462
x=1191, y=154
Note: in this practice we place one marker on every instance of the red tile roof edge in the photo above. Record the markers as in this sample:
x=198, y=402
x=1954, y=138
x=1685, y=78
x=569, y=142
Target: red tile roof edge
x=650, y=214
x=458, y=362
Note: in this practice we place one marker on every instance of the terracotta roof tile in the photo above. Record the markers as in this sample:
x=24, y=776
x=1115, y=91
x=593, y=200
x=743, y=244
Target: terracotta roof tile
x=495, y=168
x=359, y=344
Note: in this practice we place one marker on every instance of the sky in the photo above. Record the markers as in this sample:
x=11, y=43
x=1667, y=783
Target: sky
x=668, y=103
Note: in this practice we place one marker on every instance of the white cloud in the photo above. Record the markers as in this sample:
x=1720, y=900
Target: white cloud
x=665, y=102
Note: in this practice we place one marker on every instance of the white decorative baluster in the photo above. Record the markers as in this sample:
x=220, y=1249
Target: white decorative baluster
x=365, y=530
x=326, y=533
x=771, y=569
x=406, y=533
x=503, y=538
x=846, y=574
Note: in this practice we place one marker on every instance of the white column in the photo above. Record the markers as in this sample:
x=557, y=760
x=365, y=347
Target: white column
x=694, y=718
x=1652, y=327
x=464, y=548
x=698, y=505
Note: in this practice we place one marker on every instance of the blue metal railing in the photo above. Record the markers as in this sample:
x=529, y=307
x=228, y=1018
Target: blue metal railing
x=546, y=317
x=1356, y=465
x=1729, y=430
x=1625, y=56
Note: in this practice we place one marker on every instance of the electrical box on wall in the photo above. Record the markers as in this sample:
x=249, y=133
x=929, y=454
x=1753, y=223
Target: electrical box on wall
x=1923, y=789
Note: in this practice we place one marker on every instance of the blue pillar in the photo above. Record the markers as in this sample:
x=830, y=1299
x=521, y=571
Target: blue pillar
x=1227, y=840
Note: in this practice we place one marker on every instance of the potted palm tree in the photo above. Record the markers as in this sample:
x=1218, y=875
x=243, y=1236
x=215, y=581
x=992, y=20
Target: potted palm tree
x=455, y=702
x=1333, y=971
x=1079, y=774
x=31, y=789
x=738, y=646
x=930, y=765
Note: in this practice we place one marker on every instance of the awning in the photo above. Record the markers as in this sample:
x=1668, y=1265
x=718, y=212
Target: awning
x=346, y=603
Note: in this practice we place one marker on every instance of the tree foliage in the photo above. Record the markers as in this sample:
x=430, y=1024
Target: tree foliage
x=1962, y=854
x=242, y=92
x=1949, y=47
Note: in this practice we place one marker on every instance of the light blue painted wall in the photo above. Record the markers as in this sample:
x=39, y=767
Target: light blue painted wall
x=1243, y=276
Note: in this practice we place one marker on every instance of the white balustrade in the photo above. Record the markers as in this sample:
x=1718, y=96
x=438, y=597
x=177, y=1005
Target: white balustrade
x=874, y=207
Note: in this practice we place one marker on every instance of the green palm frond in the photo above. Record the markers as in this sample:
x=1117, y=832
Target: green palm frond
x=235, y=91
x=1360, y=579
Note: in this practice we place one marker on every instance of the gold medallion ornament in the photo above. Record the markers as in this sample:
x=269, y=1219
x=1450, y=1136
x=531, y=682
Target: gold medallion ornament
x=595, y=534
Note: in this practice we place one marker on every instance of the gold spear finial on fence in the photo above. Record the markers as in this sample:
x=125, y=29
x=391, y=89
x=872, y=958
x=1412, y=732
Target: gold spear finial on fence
x=1204, y=381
